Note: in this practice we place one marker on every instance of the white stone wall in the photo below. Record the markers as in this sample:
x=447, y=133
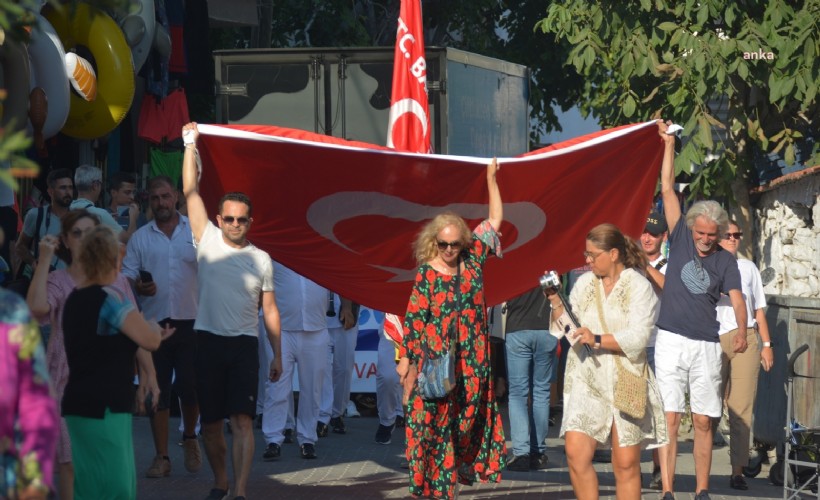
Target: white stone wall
x=787, y=239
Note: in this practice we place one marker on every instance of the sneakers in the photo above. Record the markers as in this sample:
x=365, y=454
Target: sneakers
x=288, y=436
x=193, y=454
x=538, y=461
x=308, y=451
x=218, y=494
x=520, y=463
x=351, y=410
x=384, y=433
x=272, y=452
x=668, y=496
x=399, y=421
x=160, y=467
x=656, y=483
x=703, y=495
x=338, y=425
x=321, y=429
x=738, y=483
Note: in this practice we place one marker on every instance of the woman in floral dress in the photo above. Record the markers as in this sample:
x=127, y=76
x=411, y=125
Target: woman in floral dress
x=458, y=438
x=28, y=410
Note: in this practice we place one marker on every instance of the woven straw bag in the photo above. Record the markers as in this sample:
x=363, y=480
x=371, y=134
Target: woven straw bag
x=630, y=389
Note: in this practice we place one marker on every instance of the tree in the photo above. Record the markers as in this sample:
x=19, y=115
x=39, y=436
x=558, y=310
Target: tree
x=741, y=76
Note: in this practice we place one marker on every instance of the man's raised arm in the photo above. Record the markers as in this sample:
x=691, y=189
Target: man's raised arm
x=671, y=206
x=197, y=215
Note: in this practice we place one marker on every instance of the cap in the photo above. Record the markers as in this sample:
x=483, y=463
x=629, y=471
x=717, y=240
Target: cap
x=655, y=223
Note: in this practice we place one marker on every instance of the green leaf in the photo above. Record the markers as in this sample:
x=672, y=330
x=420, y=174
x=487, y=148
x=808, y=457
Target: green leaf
x=668, y=26
x=629, y=106
x=789, y=155
x=743, y=69
x=729, y=16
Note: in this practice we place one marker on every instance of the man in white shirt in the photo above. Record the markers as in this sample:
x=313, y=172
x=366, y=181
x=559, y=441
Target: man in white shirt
x=652, y=240
x=161, y=262
x=88, y=181
x=234, y=277
x=302, y=306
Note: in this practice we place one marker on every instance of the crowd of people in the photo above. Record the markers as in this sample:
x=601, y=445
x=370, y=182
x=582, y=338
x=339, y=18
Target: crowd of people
x=193, y=308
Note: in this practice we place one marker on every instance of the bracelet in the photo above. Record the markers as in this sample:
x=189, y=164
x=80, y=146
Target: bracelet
x=597, y=344
x=553, y=306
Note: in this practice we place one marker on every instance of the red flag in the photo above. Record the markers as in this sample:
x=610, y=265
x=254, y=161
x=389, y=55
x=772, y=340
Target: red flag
x=409, y=127
x=345, y=214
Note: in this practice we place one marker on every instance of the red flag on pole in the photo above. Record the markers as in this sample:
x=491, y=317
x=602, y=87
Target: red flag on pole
x=409, y=127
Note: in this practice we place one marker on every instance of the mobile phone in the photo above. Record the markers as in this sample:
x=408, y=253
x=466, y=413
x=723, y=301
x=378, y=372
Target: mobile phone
x=146, y=277
x=149, y=405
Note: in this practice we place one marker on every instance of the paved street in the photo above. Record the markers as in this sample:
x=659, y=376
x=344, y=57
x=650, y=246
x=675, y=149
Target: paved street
x=353, y=466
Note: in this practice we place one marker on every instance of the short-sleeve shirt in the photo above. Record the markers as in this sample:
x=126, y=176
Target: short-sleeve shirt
x=49, y=225
x=528, y=311
x=693, y=286
x=301, y=302
x=100, y=357
x=102, y=214
x=753, y=296
x=658, y=294
x=231, y=280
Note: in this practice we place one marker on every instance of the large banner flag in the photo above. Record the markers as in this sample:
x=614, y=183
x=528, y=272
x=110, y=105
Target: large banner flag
x=409, y=126
x=345, y=214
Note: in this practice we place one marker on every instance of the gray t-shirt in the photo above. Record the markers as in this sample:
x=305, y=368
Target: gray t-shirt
x=693, y=286
x=49, y=225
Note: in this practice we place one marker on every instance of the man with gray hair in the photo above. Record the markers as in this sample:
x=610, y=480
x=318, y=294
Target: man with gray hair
x=687, y=349
x=88, y=181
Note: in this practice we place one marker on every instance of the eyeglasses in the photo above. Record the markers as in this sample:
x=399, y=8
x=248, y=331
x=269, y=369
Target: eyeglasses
x=733, y=235
x=592, y=256
x=79, y=233
x=442, y=245
x=242, y=221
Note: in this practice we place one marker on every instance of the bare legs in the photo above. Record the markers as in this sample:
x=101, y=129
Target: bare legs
x=242, y=450
x=625, y=464
x=702, y=450
x=669, y=454
x=216, y=450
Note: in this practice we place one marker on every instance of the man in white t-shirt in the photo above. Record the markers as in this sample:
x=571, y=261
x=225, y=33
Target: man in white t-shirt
x=652, y=240
x=234, y=277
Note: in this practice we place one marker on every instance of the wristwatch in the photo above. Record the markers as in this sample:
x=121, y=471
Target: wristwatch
x=767, y=344
x=597, y=344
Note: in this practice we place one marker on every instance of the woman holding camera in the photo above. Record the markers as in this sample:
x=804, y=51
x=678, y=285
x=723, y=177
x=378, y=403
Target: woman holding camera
x=459, y=437
x=616, y=309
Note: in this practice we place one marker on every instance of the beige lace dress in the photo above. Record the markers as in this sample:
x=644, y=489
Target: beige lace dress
x=630, y=311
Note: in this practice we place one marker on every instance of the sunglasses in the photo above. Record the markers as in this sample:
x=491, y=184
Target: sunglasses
x=242, y=221
x=733, y=235
x=442, y=245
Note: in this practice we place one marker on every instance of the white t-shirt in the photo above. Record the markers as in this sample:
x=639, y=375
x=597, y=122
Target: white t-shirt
x=752, y=288
x=658, y=294
x=231, y=281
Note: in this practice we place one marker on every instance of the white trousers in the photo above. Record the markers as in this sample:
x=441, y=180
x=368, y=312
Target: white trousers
x=336, y=391
x=299, y=352
x=265, y=358
x=388, y=389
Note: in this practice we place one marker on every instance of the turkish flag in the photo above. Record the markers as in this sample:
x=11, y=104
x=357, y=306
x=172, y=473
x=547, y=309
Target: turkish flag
x=345, y=214
x=409, y=126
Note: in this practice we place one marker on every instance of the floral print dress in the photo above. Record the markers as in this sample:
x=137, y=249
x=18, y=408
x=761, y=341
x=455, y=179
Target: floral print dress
x=28, y=410
x=459, y=437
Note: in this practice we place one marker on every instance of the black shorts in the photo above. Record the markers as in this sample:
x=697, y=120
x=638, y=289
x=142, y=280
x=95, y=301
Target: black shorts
x=227, y=375
x=175, y=360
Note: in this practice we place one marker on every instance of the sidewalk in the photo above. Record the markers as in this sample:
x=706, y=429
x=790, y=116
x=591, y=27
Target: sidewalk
x=352, y=466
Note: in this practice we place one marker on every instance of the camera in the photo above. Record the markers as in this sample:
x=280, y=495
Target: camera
x=550, y=280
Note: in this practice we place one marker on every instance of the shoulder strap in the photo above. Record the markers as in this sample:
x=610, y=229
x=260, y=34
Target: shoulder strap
x=41, y=214
x=660, y=264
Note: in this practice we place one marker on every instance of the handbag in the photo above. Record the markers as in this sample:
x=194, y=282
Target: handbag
x=630, y=389
x=437, y=376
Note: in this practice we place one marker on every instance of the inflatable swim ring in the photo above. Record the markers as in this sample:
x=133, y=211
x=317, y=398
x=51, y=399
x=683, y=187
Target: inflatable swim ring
x=15, y=80
x=46, y=55
x=98, y=38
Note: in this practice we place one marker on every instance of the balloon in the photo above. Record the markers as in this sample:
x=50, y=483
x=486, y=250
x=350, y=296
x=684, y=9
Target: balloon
x=48, y=72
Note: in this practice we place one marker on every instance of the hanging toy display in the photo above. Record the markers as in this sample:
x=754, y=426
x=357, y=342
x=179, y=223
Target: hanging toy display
x=48, y=73
x=82, y=76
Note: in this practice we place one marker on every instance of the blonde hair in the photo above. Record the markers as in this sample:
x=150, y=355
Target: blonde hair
x=99, y=253
x=608, y=236
x=425, y=247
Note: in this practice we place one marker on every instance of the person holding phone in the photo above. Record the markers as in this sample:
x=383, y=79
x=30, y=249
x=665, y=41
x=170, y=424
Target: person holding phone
x=161, y=263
